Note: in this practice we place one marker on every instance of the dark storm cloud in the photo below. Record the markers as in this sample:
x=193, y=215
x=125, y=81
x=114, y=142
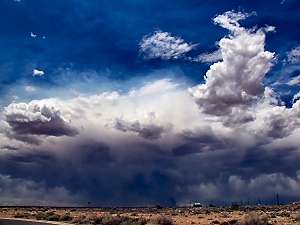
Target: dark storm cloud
x=204, y=135
x=200, y=140
x=91, y=171
x=55, y=127
x=147, y=131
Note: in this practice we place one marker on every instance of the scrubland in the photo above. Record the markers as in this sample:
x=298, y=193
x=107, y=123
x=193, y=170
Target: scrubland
x=247, y=215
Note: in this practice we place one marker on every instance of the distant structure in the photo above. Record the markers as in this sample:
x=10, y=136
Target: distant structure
x=234, y=205
x=196, y=204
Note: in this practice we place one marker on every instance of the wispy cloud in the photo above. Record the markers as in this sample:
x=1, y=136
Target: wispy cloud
x=230, y=20
x=293, y=56
x=294, y=81
x=165, y=46
x=29, y=88
x=209, y=57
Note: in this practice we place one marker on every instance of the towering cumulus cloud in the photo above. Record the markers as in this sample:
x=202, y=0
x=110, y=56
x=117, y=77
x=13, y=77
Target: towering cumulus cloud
x=234, y=84
x=227, y=138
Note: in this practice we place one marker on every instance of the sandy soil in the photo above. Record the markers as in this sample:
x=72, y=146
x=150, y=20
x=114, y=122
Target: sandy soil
x=281, y=215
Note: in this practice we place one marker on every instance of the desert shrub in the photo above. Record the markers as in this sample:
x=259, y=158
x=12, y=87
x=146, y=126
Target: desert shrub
x=50, y=213
x=273, y=215
x=65, y=217
x=80, y=219
x=53, y=217
x=163, y=220
x=134, y=222
x=114, y=220
x=90, y=220
x=230, y=222
x=285, y=214
x=297, y=217
x=255, y=219
x=224, y=214
x=22, y=215
x=41, y=216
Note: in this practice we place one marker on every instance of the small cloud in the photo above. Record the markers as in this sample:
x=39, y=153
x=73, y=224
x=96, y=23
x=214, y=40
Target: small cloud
x=29, y=88
x=229, y=20
x=296, y=97
x=38, y=72
x=32, y=35
x=294, y=81
x=294, y=55
x=17, y=0
x=269, y=28
x=44, y=37
x=209, y=57
x=163, y=45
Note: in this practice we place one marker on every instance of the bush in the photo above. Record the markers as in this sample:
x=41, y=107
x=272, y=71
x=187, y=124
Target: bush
x=65, y=217
x=163, y=220
x=114, y=220
x=134, y=222
x=90, y=220
x=80, y=219
x=24, y=215
x=230, y=222
x=255, y=219
x=53, y=217
x=41, y=216
x=297, y=217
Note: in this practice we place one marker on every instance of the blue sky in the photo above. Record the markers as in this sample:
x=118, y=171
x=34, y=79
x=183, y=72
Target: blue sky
x=133, y=103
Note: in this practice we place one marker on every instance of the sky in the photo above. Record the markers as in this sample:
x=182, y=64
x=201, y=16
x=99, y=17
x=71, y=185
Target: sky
x=140, y=103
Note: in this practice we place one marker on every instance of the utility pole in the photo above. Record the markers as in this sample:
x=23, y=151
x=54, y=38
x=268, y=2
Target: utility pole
x=277, y=199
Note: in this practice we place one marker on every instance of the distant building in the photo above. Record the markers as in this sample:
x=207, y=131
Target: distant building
x=196, y=204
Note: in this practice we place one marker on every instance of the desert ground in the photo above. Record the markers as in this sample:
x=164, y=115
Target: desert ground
x=246, y=215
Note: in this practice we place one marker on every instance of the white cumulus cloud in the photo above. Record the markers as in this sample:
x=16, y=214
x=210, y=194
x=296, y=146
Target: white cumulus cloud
x=234, y=83
x=38, y=72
